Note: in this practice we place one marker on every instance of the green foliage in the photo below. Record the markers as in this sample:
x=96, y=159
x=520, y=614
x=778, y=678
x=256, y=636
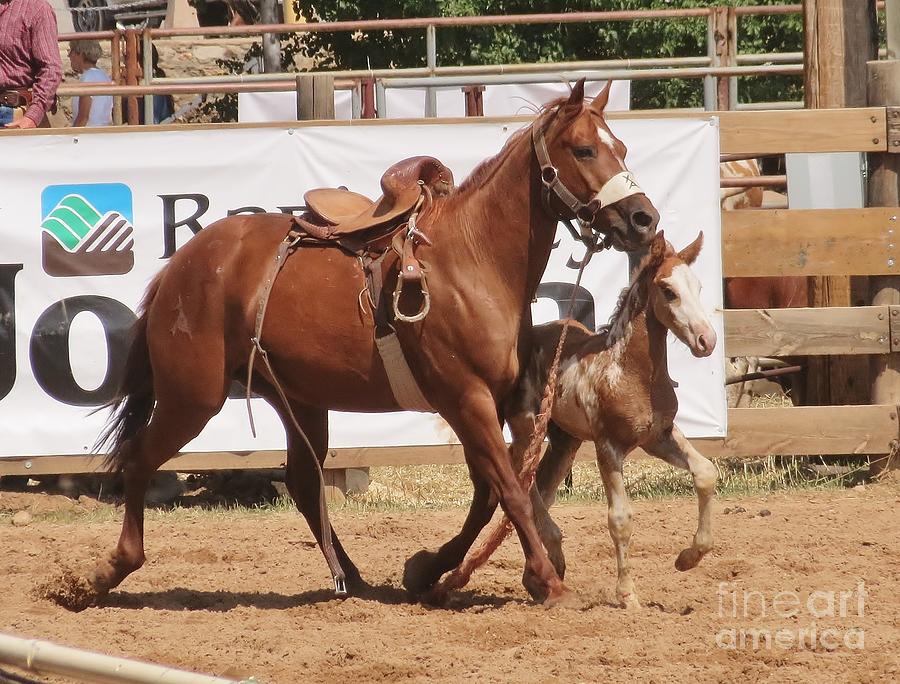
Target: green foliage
x=555, y=42
x=547, y=42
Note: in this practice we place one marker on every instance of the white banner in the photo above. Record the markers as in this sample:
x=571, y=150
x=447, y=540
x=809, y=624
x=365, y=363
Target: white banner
x=409, y=103
x=69, y=329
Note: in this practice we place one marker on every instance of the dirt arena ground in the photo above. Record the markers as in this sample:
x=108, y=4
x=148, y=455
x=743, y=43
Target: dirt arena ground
x=240, y=594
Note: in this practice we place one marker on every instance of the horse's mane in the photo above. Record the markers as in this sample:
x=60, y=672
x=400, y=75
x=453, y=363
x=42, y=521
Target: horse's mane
x=632, y=300
x=481, y=173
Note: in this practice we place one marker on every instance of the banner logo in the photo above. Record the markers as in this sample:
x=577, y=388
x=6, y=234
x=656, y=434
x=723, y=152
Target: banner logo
x=87, y=229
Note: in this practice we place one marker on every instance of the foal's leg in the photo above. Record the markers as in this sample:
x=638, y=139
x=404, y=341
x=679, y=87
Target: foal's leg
x=674, y=448
x=609, y=460
x=302, y=478
x=476, y=423
x=552, y=470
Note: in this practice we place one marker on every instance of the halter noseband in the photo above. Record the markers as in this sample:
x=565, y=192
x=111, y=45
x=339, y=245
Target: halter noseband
x=618, y=187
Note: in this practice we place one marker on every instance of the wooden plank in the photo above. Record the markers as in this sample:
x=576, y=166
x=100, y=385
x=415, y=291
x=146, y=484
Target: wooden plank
x=809, y=430
x=801, y=332
x=742, y=132
x=862, y=129
x=751, y=432
x=803, y=242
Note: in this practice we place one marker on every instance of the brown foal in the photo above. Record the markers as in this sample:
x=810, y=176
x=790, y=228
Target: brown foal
x=614, y=390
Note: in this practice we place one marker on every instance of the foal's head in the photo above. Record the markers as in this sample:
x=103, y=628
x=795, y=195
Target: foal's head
x=674, y=294
x=590, y=162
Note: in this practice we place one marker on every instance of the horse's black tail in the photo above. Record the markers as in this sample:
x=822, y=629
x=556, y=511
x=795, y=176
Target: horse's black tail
x=133, y=404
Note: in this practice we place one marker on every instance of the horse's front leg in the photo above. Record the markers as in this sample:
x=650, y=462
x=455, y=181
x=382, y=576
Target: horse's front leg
x=424, y=568
x=609, y=460
x=675, y=449
x=478, y=428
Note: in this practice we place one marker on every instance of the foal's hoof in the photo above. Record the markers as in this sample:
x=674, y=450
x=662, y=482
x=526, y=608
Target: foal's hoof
x=629, y=602
x=687, y=559
x=418, y=572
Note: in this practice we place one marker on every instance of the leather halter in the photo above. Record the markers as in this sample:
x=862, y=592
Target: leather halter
x=552, y=183
x=618, y=187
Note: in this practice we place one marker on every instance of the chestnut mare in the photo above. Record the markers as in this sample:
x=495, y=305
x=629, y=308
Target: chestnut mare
x=490, y=241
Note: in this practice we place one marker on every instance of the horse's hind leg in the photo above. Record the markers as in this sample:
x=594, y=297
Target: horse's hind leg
x=675, y=449
x=302, y=479
x=174, y=424
x=609, y=460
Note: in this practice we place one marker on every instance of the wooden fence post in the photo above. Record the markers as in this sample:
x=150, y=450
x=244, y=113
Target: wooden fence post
x=315, y=101
x=724, y=35
x=884, y=191
x=839, y=38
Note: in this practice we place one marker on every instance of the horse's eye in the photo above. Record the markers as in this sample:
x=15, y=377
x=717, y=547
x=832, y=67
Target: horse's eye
x=669, y=293
x=585, y=152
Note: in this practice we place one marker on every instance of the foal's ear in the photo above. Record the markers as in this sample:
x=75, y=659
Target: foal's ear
x=600, y=102
x=658, y=247
x=690, y=253
x=576, y=99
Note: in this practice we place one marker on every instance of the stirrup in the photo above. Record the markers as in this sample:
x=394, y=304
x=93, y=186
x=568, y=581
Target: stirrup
x=340, y=585
x=426, y=303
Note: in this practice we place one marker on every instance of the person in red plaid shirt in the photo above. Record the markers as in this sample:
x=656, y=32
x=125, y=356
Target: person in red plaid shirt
x=30, y=65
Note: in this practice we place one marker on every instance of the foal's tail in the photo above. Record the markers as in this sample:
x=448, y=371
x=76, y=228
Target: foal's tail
x=133, y=404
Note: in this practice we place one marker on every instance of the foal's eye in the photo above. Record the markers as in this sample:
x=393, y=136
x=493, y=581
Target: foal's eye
x=669, y=293
x=585, y=152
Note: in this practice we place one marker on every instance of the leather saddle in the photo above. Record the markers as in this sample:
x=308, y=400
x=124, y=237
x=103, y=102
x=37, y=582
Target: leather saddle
x=336, y=213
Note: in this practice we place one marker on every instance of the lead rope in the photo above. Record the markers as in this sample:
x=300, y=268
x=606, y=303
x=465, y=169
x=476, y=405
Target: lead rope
x=460, y=576
x=334, y=565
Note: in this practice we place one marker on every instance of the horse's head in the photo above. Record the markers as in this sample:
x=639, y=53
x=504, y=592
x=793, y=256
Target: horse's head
x=674, y=294
x=584, y=175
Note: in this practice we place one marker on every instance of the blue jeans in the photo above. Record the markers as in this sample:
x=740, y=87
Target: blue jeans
x=6, y=115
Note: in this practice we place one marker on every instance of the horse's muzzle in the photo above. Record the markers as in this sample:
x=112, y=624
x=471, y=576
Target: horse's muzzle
x=630, y=223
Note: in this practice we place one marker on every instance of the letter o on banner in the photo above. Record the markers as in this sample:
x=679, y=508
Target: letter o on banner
x=50, y=354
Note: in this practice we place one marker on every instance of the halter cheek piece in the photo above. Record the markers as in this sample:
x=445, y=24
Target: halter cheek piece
x=618, y=187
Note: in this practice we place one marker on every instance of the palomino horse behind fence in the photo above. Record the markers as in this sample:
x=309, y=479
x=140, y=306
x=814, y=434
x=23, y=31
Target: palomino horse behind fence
x=486, y=245
x=614, y=390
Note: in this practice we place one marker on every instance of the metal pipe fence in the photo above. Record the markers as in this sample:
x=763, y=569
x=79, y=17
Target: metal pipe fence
x=719, y=68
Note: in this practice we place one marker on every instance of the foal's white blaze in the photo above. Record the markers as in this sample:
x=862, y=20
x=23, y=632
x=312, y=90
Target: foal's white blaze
x=690, y=321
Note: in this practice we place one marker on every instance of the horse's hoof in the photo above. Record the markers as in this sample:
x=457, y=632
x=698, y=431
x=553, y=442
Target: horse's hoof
x=535, y=587
x=559, y=563
x=437, y=596
x=418, y=573
x=687, y=559
x=70, y=591
x=563, y=598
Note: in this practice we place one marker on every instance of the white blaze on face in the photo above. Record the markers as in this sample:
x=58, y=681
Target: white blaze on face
x=689, y=318
x=621, y=185
x=607, y=139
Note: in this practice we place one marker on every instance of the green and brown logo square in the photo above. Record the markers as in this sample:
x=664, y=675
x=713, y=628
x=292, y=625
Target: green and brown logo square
x=87, y=229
